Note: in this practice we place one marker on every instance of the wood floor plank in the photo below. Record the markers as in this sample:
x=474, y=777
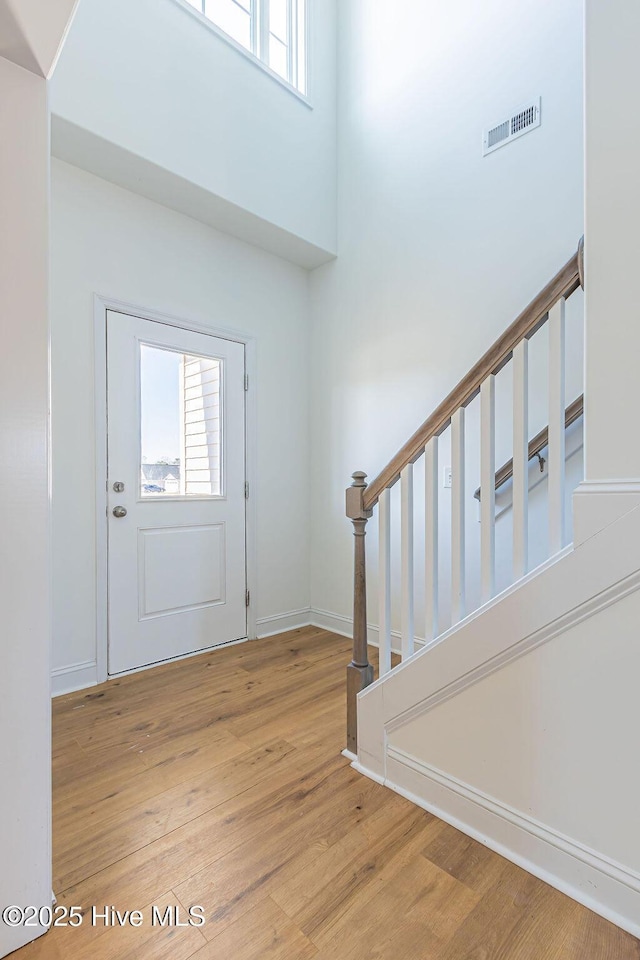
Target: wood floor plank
x=151, y=940
x=218, y=781
x=197, y=795
x=141, y=835
x=465, y=859
x=432, y=905
x=84, y=767
x=519, y=918
x=288, y=845
x=589, y=935
x=309, y=719
x=263, y=932
x=135, y=823
x=321, y=900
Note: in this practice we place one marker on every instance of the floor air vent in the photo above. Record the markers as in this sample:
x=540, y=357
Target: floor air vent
x=522, y=120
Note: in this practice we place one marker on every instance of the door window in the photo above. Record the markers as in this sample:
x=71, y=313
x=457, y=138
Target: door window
x=180, y=424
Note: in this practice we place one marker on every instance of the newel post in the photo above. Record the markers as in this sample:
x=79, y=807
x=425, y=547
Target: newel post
x=359, y=671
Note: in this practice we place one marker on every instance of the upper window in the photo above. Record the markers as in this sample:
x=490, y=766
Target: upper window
x=272, y=30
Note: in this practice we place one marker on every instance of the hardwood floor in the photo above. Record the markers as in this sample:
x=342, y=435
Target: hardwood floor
x=218, y=781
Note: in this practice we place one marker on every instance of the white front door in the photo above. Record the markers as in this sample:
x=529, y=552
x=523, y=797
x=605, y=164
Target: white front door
x=176, y=491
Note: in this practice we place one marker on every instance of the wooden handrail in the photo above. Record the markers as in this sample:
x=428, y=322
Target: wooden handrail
x=565, y=282
x=581, y=261
x=573, y=412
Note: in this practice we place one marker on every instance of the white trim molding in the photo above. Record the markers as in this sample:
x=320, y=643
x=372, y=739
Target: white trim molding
x=281, y=622
x=376, y=777
x=333, y=622
x=604, y=886
x=75, y=676
x=598, y=503
x=520, y=648
x=253, y=57
x=568, y=588
x=78, y=676
x=343, y=626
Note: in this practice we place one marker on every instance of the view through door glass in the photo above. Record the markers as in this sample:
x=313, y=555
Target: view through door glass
x=180, y=424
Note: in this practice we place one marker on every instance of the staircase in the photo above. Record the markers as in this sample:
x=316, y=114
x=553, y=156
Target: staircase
x=547, y=310
x=507, y=641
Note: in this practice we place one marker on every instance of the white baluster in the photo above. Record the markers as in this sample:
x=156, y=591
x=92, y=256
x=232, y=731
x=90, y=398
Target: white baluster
x=520, y=459
x=556, y=428
x=406, y=546
x=431, y=538
x=384, y=586
x=457, y=517
x=488, y=487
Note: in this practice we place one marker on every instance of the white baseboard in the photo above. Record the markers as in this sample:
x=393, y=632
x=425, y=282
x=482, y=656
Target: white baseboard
x=599, y=883
x=332, y=622
x=371, y=774
x=281, y=622
x=75, y=676
x=343, y=626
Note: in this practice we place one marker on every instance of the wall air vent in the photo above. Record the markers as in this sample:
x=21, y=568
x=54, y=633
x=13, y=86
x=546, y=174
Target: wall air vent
x=521, y=121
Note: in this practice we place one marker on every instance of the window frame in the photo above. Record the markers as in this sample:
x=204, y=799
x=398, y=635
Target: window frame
x=260, y=35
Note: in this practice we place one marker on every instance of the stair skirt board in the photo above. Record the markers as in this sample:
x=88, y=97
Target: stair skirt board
x=600, y=884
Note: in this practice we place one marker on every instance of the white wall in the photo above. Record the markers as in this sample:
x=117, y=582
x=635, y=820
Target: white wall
x=439, y=248
x=109, y=241
x=200, y=111
x=25, y=745
x=612, y=147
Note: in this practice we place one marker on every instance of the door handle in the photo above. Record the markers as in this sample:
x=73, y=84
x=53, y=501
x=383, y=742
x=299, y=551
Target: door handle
x=119, y=512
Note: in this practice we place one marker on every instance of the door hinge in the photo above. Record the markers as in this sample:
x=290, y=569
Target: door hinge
x=246, y=381
x=247, y=598
x=246, y=489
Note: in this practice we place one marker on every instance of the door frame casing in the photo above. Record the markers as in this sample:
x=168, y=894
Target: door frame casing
x=102, y=305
